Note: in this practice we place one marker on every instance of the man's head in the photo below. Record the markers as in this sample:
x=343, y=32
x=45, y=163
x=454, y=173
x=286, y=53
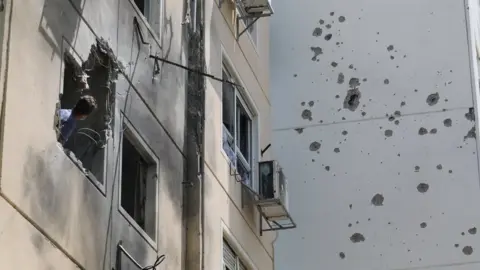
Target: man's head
x=85, y=106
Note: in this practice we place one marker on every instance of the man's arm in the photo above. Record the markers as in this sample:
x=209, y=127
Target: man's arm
x=64, y=125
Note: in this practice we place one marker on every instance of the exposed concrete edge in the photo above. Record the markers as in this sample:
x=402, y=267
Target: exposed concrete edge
x=4, y=63
x=472, y=35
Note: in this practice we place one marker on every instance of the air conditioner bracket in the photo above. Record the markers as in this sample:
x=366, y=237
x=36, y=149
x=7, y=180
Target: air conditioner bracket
x=275, y=223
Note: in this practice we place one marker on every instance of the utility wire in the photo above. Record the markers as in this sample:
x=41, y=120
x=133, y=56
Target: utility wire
x=194, y=70
x=157, y=262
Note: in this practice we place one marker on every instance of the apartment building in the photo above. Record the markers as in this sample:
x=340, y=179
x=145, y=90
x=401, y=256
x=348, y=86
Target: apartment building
x=375, y=106
x=238, y=137
x=165, y=171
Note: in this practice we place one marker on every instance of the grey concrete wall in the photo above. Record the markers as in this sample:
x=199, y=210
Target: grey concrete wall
x=371, y=105
x=46, y=187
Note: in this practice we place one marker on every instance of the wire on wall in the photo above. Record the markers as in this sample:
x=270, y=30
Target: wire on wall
x=157, y=58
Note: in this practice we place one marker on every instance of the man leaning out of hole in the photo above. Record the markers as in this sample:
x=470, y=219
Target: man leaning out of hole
x=69, y=117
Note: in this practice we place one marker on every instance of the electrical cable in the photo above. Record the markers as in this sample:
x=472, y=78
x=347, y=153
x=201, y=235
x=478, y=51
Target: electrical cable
x=213, y=77
x=157, y=262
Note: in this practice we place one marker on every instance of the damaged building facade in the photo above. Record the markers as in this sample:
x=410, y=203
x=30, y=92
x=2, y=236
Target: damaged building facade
x=147, y=178
x=374, y=109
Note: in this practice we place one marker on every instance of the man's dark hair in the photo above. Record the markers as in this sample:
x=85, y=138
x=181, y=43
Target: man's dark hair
x=85, y=105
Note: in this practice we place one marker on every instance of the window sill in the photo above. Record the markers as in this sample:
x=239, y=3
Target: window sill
x=137, y=228
x=100, y=187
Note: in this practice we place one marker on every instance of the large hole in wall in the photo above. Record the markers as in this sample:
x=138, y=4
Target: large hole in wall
x=89, y=140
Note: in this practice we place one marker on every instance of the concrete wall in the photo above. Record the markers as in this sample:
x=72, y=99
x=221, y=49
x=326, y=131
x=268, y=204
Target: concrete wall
x=371, y=105
x=80, y=219
x=226, y=215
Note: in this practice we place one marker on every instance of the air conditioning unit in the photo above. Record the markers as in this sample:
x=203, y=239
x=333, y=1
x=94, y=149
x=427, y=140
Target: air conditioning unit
x=257, y=6
x=273, y=190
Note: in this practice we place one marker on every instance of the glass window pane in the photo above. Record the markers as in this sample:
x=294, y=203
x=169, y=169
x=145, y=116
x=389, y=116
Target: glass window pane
x=244, y=126
x=228, y=103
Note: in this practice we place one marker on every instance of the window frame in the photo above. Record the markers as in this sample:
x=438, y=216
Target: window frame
x=137, y=141
x=235, y=245
x=148, y=6
x=153, y=22
x=248, y=164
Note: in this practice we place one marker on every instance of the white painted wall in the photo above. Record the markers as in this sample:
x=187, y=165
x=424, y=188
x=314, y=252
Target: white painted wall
x=331, y=190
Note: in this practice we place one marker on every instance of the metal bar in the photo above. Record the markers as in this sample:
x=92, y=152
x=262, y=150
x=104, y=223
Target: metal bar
x=276, y=223
x=194, y=71
x=139, y=31
x=261, y=220
x=252, y=191
x=265, y=149
x=246, y=27
x=256, y=16
x=281, y=228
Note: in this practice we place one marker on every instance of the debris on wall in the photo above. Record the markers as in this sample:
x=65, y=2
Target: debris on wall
x=96, y=77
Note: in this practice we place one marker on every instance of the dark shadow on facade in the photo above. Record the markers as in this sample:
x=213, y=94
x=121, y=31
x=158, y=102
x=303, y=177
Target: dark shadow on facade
x=50, y=195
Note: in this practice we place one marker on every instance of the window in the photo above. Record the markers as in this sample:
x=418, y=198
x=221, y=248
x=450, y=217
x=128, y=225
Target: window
x=152, y=13
x=237, y=129
x=88, y=140
x=144, y=7
x=230, y=259
x=138, y=194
